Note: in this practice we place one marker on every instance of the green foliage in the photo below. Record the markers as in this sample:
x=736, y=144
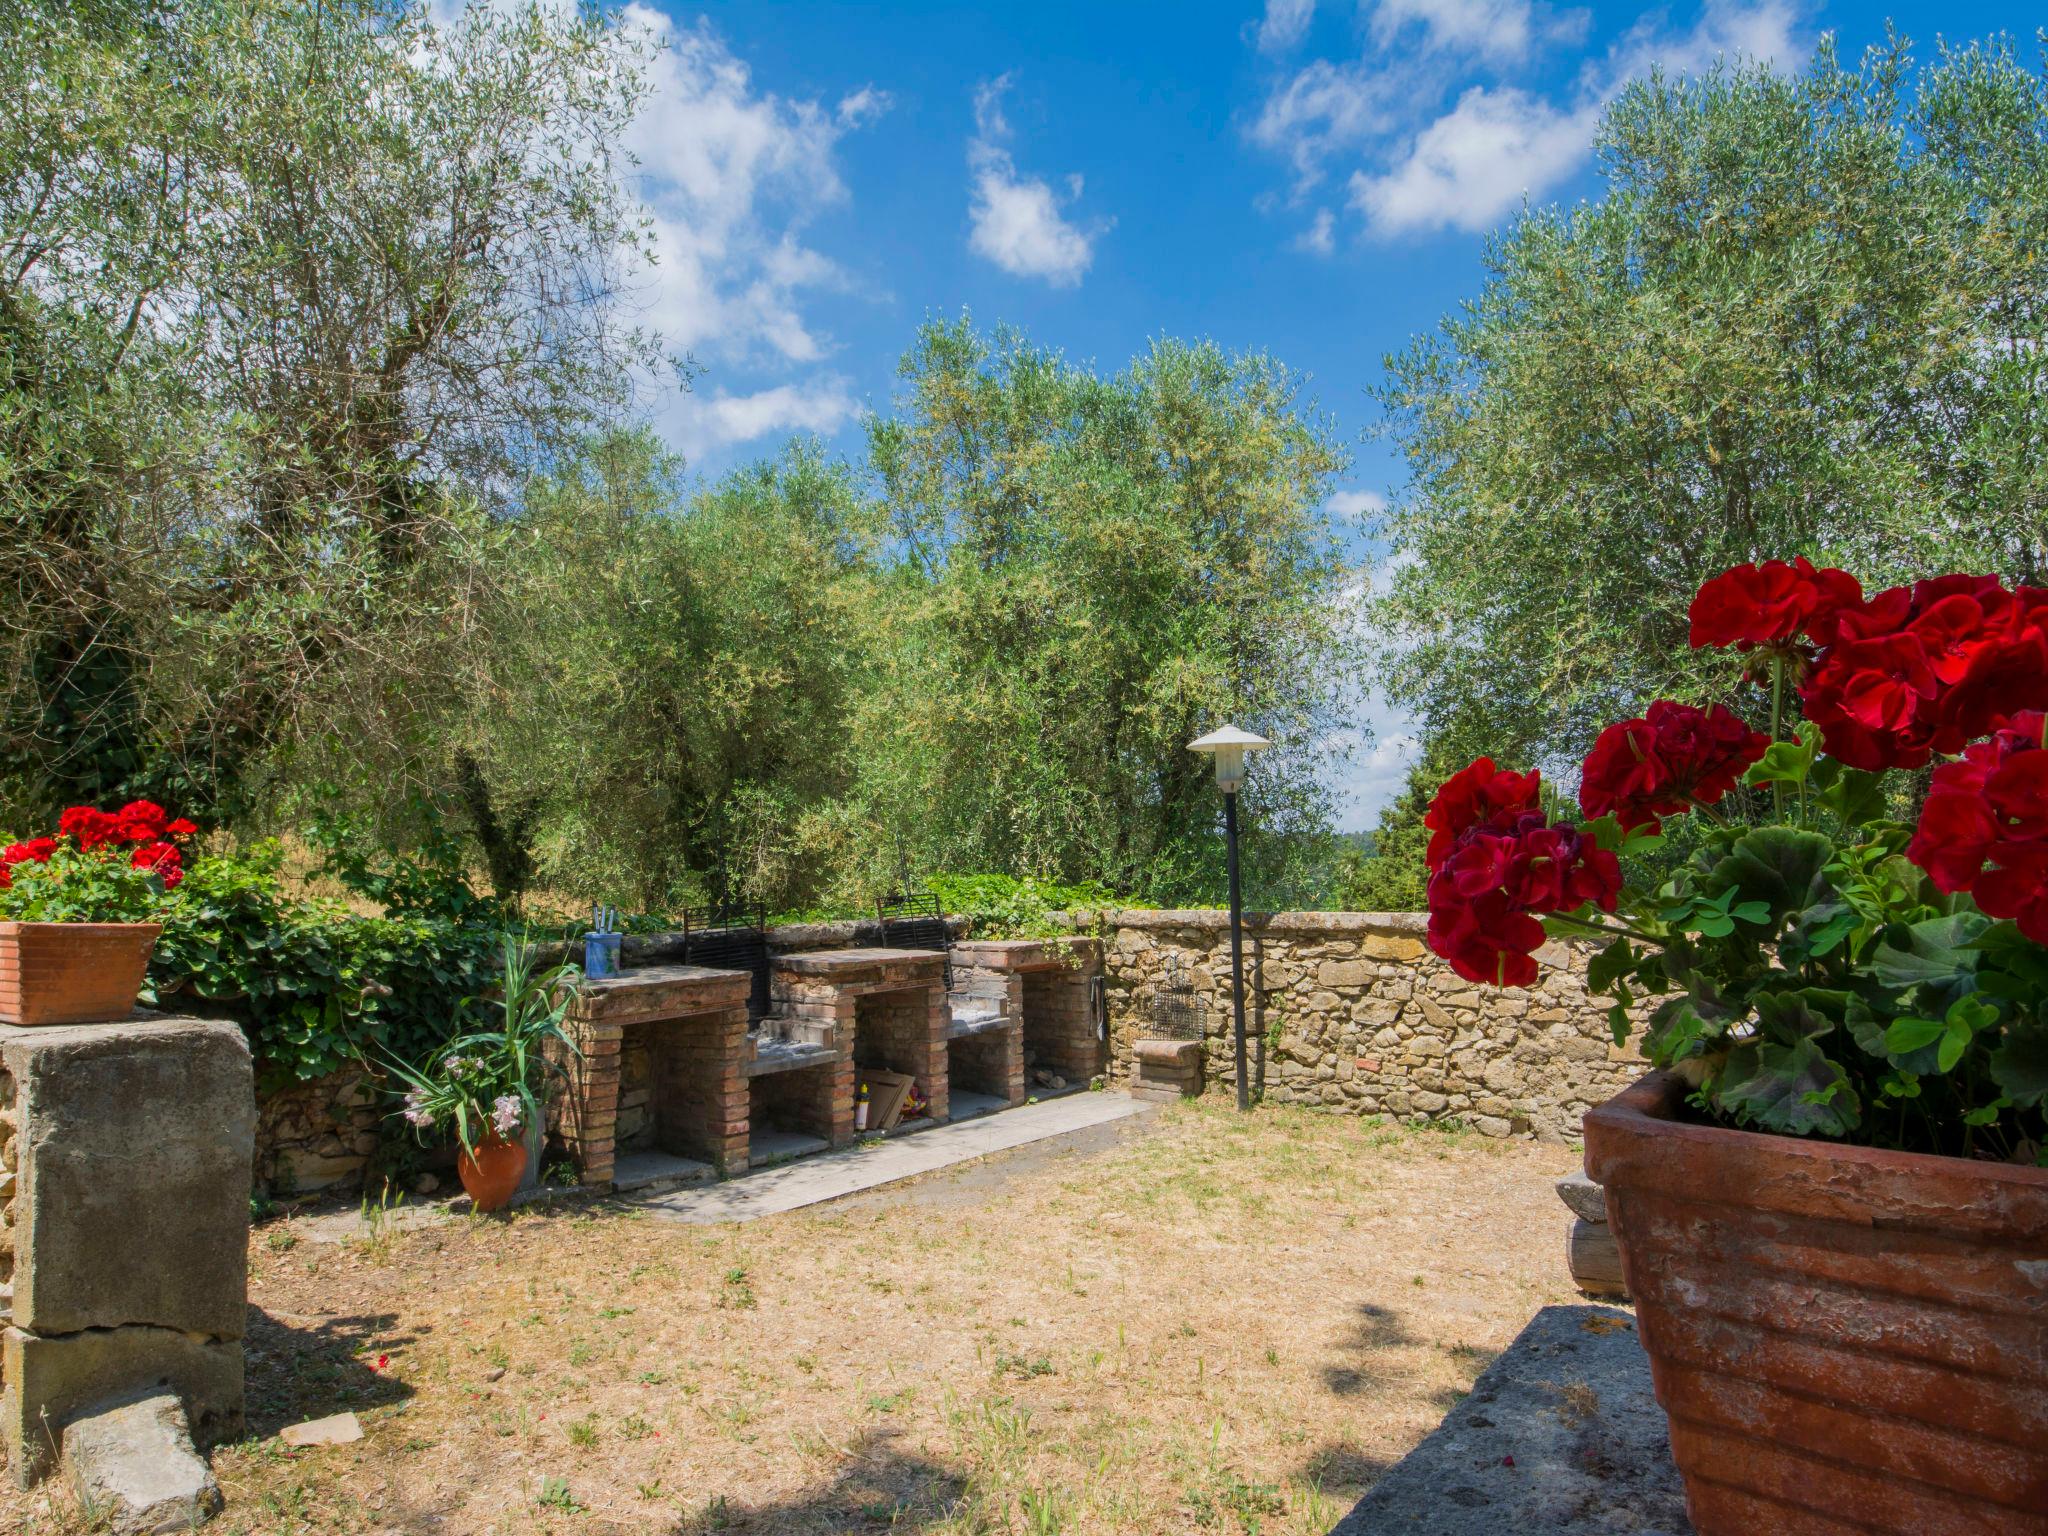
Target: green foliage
x=1810, y=981
x=290, y=292
x=1803, y=319
x=669, y=675
x=77, y=887
x=1003, y=906
x=1093, y=572
x=313, y=983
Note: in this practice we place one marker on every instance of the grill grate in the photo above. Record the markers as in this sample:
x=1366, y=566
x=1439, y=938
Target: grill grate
x=916, y=922
x=1178, y=1012
x=730, y=937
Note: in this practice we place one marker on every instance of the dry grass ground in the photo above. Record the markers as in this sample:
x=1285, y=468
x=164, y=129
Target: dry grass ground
x=1215, y=1325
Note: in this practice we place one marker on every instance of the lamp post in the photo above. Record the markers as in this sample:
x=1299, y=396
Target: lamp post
x=1229, y=746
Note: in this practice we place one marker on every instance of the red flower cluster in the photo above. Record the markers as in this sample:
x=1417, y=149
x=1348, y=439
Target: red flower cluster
x=1991, y=808
x=1672, y=759
x=1495, y=860
x=1770, y=604
x=149, y=834
x=1477, y=795
x=1927, y=669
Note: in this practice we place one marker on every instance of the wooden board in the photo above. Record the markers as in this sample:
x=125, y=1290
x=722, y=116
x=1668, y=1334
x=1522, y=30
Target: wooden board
x=886, y=1093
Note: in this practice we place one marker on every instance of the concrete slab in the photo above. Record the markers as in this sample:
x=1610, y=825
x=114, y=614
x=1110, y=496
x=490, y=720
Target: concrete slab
x=1560, y=1436
x=769, y=1145
x=837, y=1174
x=970, y=1106
x=658, y=1170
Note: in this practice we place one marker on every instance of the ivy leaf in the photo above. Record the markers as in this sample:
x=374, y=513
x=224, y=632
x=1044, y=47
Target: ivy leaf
x=1794, y=1089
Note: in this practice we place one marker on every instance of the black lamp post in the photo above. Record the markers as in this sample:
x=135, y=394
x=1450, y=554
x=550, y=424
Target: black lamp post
x=1229, y=746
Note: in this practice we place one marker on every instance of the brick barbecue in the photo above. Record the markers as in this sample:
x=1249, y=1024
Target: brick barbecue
x=671, y=1060
x=1050, y=986
x=684, y=1029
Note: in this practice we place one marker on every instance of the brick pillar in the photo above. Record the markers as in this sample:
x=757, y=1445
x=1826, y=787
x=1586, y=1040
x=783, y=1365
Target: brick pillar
x=587, y=1114
x=701, y=1104
x=905, y=1031
x=1060, y=1025
x=991, y=1062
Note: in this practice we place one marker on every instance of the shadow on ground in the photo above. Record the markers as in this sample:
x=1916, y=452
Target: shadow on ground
x=877, y=1488
x=306, y=1368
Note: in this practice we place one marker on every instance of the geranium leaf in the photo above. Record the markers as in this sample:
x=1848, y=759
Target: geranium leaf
x=2020, y=1064
x=1791, y=1088
x=1779, y=866
x=1909, y=1034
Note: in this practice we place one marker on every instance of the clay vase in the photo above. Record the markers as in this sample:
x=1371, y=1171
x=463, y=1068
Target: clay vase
x=490, y=1174
x=72, y=973
x=1843, y=1339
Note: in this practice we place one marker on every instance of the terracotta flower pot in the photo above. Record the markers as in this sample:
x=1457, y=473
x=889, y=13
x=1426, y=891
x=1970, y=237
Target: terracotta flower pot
x=72, y=973
x=1844, y=1340
x=491, y=1173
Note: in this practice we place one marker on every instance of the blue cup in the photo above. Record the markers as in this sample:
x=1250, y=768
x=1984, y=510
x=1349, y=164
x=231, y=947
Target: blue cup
x=601, y=955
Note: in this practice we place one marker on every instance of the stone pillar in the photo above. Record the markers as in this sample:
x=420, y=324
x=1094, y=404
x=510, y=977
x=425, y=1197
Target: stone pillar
x=125, y=1155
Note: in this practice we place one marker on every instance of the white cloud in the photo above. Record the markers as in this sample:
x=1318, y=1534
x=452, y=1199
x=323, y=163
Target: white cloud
x=822, y=405
x=1469, y=166
x=1320, y=238
x=1472, y=165
x=1285, y=24
x=1016, y=221
x=1499, y=31
x=1322, y=111
x=731, y=175
x=1356, y=506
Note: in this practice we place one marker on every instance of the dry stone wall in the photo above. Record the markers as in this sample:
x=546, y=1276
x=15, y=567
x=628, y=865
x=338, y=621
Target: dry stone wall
x=1351, y=1012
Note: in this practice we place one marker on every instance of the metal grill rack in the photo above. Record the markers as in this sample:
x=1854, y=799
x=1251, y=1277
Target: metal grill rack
x=729, y=936
x=916, y=922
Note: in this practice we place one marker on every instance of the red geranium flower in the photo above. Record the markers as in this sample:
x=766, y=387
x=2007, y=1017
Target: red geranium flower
x=87, y=826
x=162, y=858
x=1928, y=669
x=140, y=821
x=1768, y=604
x=1497, y=874
x=1984, y=827
x=1478, y=794
x=1674, y=758
x=1487, y=940
x=36, y=850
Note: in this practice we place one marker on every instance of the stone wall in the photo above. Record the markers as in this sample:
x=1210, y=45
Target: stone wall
x=1350, y=1011
x=316, y=1135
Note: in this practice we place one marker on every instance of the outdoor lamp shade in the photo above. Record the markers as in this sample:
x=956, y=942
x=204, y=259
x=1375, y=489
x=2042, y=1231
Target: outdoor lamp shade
x=1228, y=745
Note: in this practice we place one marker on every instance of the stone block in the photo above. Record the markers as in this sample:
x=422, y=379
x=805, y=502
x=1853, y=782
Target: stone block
x=133, y=1468
x=51, y=1381
x=133, y=1205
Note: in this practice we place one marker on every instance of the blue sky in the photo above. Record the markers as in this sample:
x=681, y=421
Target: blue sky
x=1311, y=180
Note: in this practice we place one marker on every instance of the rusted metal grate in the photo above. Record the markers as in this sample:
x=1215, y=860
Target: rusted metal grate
x=1178, y=1012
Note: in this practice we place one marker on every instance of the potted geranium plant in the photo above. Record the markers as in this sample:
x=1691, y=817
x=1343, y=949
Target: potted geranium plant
x=490, y=1084
x=78, y=912
x=1829, y=1198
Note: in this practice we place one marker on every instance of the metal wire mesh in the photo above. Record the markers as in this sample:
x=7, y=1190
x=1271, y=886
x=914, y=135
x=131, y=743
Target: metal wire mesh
x=1178, y=1012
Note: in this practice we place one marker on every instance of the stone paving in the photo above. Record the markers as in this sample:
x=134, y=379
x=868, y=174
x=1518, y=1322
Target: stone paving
x=1560, y=1436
